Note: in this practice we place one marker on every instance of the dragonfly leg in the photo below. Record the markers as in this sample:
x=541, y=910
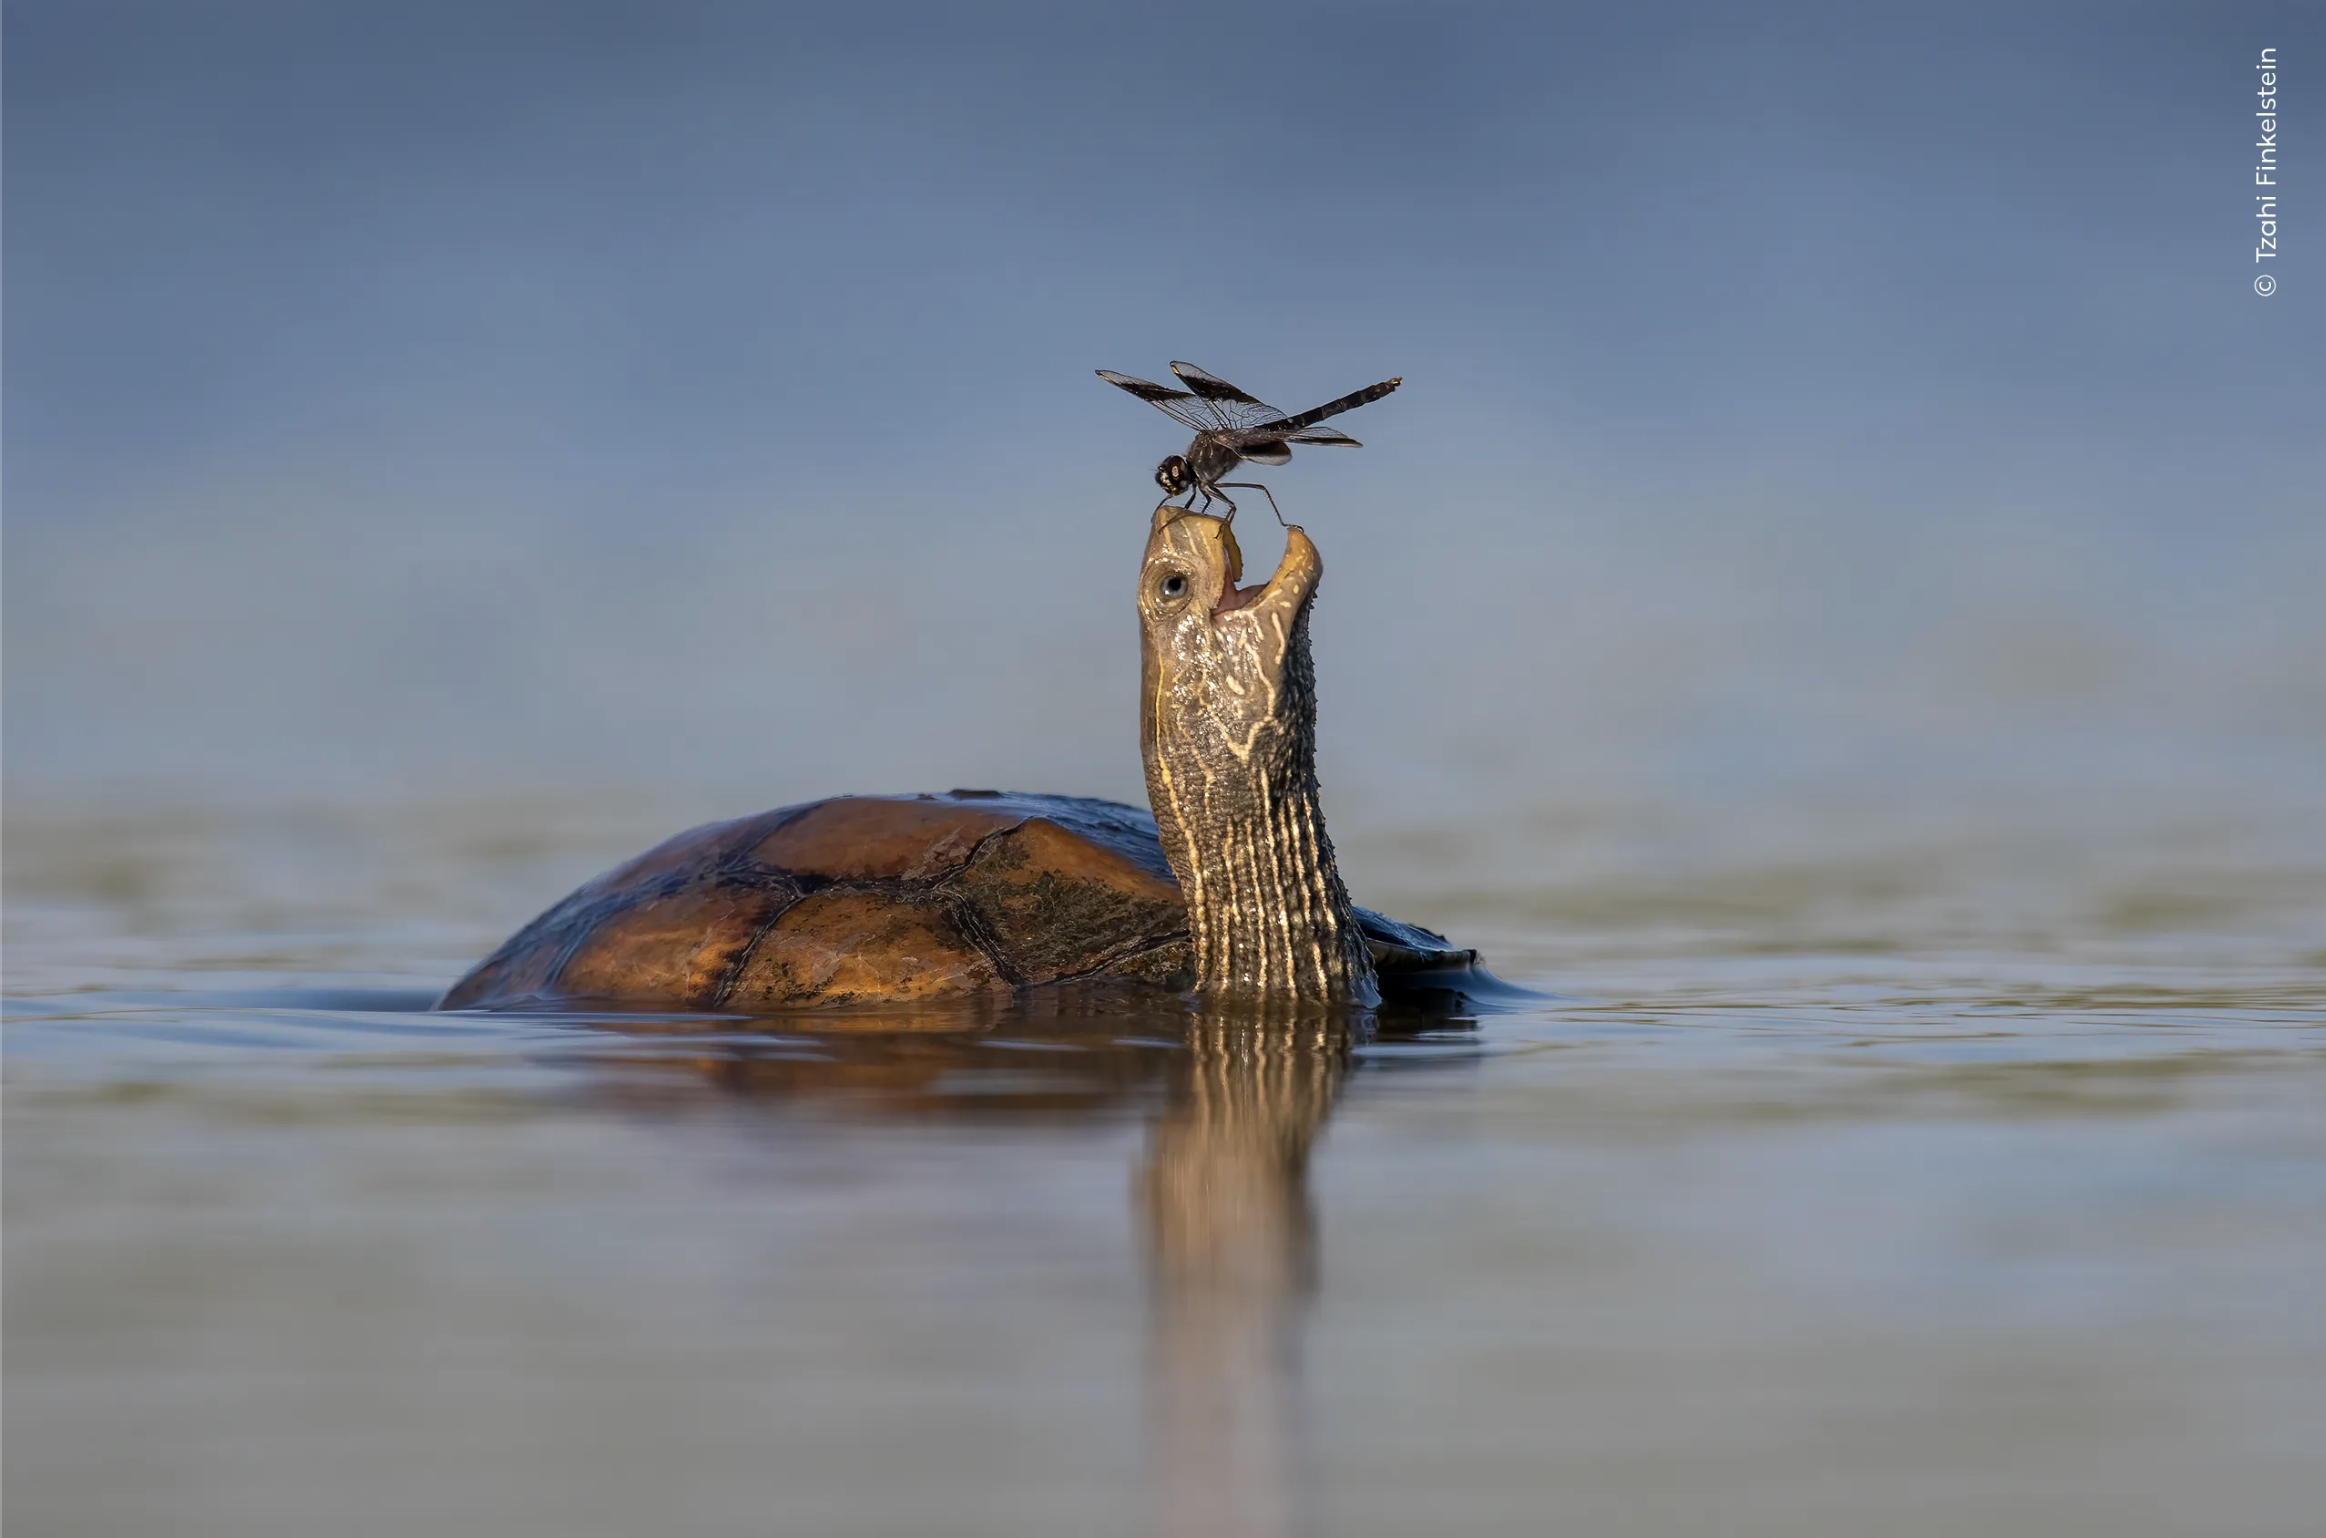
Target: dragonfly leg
x=1264, y=491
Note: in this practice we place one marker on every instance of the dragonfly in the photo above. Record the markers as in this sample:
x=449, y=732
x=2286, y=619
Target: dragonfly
x=1231, y=428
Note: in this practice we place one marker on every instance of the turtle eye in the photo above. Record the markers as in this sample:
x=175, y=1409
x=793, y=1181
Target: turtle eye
x=1174, y=586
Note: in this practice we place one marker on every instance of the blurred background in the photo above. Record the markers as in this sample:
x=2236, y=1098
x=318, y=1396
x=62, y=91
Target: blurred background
x=1804, y=406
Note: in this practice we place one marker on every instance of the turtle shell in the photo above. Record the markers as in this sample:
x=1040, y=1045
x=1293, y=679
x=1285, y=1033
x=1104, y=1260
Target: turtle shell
x=880, y=899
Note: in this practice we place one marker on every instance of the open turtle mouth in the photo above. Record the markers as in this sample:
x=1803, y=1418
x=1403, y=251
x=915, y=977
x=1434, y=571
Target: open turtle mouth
x=1292, y=582
x=1233, y=597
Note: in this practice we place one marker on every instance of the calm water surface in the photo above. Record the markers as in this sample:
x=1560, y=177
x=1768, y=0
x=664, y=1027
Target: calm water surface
x=1965, y=1180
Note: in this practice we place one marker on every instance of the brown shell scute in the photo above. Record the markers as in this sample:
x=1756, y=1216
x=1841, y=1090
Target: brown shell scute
x=683, y=947
x=1057, y=905
x=612, y=926
x=848, y=946
x=684, y=854
x=864, y=838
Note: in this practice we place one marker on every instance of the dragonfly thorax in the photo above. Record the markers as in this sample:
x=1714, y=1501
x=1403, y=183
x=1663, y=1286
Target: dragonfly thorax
x=1209, y=457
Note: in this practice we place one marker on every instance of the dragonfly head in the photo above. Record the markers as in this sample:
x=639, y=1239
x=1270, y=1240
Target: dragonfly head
x=1172, y=476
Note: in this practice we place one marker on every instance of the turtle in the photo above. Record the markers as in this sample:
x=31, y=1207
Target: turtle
x=1226, y=889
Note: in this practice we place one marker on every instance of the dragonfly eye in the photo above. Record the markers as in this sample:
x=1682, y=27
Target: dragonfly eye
x=1171, y=475
x=1174, y=586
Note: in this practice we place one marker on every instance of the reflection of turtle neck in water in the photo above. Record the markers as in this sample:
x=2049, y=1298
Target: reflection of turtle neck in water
x=1231, y=1261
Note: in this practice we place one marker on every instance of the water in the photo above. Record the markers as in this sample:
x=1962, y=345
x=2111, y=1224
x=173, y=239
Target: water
x=1843, y=1184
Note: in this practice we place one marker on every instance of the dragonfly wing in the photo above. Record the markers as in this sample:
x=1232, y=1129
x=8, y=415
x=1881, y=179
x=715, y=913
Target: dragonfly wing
x=1180, y=405
x=1234, y=408
x=1262, y=448
x=1324, y=437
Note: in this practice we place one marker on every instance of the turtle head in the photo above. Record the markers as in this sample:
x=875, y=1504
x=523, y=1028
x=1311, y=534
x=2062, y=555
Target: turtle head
x=1214, y=653
x=1172, y=475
